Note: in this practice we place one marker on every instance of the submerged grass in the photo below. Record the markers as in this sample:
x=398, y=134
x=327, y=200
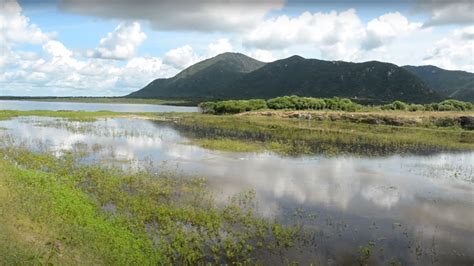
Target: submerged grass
x=54, y=210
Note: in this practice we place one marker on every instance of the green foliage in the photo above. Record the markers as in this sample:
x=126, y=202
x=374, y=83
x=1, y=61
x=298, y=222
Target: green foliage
x=396, y=105
x=454, y=105
x=285, y=102
x=233, y=106
x=335, y=104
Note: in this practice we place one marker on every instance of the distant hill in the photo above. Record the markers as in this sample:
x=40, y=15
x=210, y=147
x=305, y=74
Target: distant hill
x=205, y=79
x=449, y=83
x=237, y=76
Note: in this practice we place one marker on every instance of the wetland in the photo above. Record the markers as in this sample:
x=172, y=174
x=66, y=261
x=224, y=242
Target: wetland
x=121, y=188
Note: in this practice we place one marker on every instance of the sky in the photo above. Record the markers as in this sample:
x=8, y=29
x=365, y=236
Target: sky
x=114, y=47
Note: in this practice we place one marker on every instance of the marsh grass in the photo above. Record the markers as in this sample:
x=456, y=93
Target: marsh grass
x=292, y=136
x=295, y=136
x=61, y=212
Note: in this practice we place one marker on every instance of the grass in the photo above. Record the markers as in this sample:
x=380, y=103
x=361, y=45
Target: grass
x=335, y=133
x=55, y=211
x=296, y=136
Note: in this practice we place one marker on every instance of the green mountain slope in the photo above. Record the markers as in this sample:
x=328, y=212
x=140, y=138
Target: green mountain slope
x=453, y=84
x=236, y=76
x=203, y=80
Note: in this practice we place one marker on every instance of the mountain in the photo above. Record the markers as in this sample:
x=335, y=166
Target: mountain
x=449, y=83
x=370, y=81
x=236, y=76
x=202, y=80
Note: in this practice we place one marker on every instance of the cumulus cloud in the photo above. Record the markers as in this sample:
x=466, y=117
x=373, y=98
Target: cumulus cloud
x=185, y=56
x=324, y=29
x=220, y=46
x=199, y=15
x=181, y=57
x=262, y=55
x=387, y=27
x=16, y=28
x=456, y=51
x=334, y=35
x=120, y=44
x=444, y=12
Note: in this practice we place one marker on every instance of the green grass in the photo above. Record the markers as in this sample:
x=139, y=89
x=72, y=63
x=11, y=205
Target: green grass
x=295, y=136
x=48, y=221
x=56, y=211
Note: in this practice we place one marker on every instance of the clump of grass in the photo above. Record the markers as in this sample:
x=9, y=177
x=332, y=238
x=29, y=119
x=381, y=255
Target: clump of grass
x=91, y=214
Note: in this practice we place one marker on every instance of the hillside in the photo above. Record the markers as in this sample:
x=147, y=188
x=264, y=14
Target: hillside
x=202, y=80
x=449, y=83
x=236, y=76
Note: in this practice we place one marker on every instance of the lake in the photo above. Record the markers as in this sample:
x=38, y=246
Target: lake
x=418, y=209
x=91, y=107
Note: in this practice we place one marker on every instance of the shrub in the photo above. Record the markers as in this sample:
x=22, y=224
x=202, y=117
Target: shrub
x=232, y=106
x=207, y=107
x=396, y=105
x=416, y=107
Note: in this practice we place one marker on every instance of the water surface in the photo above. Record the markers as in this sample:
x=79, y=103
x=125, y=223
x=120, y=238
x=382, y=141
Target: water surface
x=413, y=209
x=92, y=107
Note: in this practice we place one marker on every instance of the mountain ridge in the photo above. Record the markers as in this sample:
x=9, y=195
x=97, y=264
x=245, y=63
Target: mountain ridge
x=454, y=84
x=237, y=76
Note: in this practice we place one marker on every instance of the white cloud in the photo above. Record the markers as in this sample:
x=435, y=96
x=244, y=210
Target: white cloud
x=181, y=57
x=16, y=28
x=56, y=49
x=385, y=28
x=220, y=46
x=140, y=71
x=120, y=44
x=335, y=36
x=455, y=51
x=200, y=15
x=317, y=29
x=262, y=55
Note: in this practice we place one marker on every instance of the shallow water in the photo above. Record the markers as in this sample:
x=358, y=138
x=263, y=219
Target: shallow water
x=92, y=107
x=413, y=209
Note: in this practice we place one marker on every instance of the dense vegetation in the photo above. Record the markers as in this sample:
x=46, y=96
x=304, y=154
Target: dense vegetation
x=449, y=83
x=340, y=104
x=236, y=76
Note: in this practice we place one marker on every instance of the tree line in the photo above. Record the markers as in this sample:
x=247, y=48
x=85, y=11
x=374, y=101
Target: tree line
x=336, y=103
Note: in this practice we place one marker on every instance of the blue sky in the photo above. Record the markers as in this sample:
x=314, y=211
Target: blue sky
x=97, y=48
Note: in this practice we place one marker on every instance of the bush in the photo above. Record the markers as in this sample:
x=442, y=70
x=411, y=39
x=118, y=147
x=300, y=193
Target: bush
x=232, y=106
x=396, y=105
x=416, y=107
x=454, y=105
x=207, y=107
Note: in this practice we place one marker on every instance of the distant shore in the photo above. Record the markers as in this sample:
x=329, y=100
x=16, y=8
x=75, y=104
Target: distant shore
x=103, y=100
